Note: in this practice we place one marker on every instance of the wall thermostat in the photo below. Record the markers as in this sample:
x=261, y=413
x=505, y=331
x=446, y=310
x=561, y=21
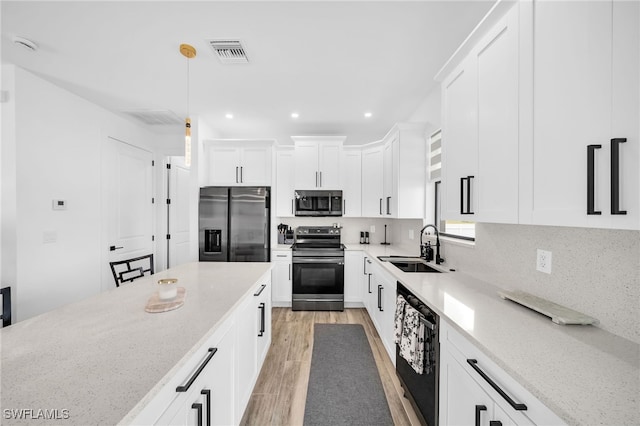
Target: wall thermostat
x=59, y=204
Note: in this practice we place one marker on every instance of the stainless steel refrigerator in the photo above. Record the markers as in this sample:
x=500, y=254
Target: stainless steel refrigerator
x=234, y=224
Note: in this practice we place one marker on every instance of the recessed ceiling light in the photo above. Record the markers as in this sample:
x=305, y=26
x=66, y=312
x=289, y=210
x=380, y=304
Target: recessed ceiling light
x=229, y=116
x=367, y=115
x=295, y=115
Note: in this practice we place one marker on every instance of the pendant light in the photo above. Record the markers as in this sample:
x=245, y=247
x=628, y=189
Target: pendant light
x=188, y=52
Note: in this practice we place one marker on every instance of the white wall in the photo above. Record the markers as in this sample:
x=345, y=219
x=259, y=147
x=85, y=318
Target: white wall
x=57, y=143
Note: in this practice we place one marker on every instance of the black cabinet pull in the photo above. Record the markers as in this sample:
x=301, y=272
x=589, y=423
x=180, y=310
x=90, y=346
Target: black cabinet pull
x=241, y=180
x=364, y=265
x=114, y=248
x=237, y=174
x=462, y=179
x=479, y=410
x=369, y=284
x=516, y=406
x=320, y=179
x=469, y=211
x=186, y=386
x=591, y=178
x=207, y=396
x=316, y=179
x=388, y=205
x=291, y=206
x=260, y=290
x=198, y=407
x=344, y=206
x=495, y=423
x=380, y=297
x=262, y=319
x=380, y=206
x=615, y=175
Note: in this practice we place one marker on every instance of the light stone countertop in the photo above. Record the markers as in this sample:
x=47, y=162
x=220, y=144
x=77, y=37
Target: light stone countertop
x=98, y=358
x=586, y=375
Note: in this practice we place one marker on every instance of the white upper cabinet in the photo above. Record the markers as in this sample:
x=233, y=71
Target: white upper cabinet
x=238, y=163
x=285, y=182
x=459, y=141
x=351, y=176
x=586, y=103
x=404, y=190
x=317, y=161
x=480, y=129
x=372, y=181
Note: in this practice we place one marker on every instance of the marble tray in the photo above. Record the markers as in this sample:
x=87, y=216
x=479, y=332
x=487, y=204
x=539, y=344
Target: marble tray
x=157, y=305
x=558, y=313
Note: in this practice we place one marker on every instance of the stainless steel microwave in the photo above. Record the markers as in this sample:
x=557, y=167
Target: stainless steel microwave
x=318, y=203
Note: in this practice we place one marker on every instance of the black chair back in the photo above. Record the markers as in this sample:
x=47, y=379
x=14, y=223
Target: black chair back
x=131, y=269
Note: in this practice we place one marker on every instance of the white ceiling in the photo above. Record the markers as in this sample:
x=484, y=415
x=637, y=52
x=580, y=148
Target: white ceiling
x=330, y=61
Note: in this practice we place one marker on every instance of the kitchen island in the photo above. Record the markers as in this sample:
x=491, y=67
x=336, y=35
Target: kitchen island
x=584, y=374
x=99, y=361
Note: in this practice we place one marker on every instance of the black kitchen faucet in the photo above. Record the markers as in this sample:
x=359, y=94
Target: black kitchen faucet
x=439, y=260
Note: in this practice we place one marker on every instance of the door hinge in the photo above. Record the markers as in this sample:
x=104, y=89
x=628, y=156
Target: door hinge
x=153, y=200
x=153, y=238
x=153, y=163
x=168, y=236
x=168, y=200
x=168, y=166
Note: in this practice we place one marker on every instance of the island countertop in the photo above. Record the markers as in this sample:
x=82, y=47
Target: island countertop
x=586, y=375
x=93, y=361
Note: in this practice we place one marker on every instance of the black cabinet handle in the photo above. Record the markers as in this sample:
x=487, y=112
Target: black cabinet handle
x=591, y=178
x=344, y=206
x=388, y=205
x=369, y=284
x=241, y=180
x=316, y=179
x=292, y=206
x=262, y=319
x=516, y=406
x=364, y=265
x=198, y=407
x=465, y=206
x=495, y=423
x=186, y=386
x=114, y=248
x=380, y=206
x=380, y=297
x=469, y=211
x=290, y=266
x=462, y=179
x=479, y=410
x=260, y=290
x=207, y=395
x=320, y=179
x=615, y=175
x=237, y=174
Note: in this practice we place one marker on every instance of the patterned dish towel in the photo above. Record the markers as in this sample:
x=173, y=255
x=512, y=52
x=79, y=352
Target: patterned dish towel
x=412, y=342
x=399, y=318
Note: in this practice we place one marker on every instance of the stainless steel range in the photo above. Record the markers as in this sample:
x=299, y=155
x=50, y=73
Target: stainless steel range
x=318, y=269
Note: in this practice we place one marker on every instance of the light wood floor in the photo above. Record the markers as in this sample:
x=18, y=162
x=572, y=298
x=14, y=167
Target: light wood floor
x=281, y=391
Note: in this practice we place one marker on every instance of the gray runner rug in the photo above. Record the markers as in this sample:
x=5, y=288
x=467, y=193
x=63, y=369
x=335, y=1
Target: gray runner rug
x=344, y=384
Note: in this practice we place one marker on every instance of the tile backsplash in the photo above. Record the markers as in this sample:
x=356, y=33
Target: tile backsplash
x=594, y=271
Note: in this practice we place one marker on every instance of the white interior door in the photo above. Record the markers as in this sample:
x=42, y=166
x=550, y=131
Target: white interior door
x=178, y=213
x=128, y=192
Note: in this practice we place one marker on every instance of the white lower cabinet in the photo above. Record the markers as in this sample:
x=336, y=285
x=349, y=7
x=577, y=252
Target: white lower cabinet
x=475, y=391
x=205, y=395
x=380, y=303
x=253, y=338
x=213, y=387
x=281, y=277
x=353, y=274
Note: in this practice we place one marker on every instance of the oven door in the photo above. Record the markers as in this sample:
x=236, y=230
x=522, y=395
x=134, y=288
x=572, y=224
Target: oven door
x=318, y=275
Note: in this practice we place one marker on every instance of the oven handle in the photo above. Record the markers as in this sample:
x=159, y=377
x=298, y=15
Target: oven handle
x=337, y=261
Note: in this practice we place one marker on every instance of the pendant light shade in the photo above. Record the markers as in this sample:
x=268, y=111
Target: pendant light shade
x=188, y=52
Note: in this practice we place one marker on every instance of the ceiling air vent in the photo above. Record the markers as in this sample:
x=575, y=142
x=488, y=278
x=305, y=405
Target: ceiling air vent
x=229, y=51
x=155, y=117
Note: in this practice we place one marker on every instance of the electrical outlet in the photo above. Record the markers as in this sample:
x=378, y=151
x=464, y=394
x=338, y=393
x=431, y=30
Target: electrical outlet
x=372, y=229
x=543, y=261
x=411, y=236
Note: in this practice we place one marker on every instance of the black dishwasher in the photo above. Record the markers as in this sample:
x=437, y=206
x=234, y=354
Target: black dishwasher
x=422, y=389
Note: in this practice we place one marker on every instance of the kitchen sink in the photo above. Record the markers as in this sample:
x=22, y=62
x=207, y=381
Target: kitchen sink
x=408, y=263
